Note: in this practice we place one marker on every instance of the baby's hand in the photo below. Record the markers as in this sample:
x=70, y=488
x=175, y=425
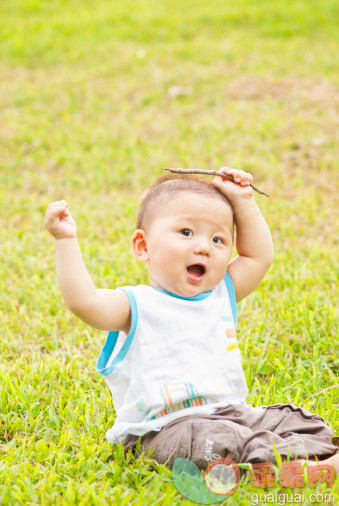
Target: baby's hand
x=237, y=189
x=59, y=222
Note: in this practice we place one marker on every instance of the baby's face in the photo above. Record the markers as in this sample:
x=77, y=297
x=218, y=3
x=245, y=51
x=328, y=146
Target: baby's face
x=189, y=244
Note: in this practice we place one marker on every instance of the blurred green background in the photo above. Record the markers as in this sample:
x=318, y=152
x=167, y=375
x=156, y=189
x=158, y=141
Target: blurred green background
x=97, y=99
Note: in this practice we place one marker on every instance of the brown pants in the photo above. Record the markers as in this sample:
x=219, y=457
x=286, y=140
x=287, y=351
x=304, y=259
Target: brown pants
x=241, y=434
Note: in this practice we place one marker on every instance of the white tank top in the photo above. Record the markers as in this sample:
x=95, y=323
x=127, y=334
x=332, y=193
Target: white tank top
x=180, y=358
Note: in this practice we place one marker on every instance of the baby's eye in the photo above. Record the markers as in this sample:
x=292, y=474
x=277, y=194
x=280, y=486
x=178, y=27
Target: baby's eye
x=186, y=232
x=218, y=240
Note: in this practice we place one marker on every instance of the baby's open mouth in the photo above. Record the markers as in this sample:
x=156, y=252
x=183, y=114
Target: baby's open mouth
x=196, y=270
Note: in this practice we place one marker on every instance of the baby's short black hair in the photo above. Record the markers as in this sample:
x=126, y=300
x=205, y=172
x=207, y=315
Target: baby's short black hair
x=164, y=188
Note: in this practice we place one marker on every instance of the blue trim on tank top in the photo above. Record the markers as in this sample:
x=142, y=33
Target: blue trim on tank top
x=201, y=296
x=112, y=338
x=231, y=293
x=204, y=295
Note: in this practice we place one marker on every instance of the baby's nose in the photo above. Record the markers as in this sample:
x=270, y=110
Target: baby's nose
x=202, y=248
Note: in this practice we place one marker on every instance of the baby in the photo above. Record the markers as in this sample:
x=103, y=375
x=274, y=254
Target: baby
x=171, y=358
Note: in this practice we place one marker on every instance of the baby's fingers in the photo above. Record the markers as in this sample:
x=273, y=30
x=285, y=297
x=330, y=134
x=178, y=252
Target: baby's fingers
x=57, y=209
x=58, y=204
x=239, y=176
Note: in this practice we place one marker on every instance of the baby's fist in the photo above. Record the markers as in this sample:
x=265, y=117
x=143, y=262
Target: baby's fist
x=59, y=222
x=239, y=188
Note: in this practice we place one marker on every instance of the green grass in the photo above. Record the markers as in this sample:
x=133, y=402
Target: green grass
x=87, y=116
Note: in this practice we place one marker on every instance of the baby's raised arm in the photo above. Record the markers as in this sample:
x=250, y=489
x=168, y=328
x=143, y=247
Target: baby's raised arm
x=103, y=309
x=253, y=238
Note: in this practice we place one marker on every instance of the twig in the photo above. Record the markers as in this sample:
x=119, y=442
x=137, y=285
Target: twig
x=321, y=391
x=213, y=173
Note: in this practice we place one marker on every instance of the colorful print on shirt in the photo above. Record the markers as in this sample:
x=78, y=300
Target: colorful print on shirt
x=171, y=394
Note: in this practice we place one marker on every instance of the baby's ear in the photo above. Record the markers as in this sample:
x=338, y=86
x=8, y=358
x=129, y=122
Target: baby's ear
x=139, y=245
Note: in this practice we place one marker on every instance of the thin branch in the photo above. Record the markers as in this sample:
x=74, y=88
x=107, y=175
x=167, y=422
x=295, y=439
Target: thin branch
x=321, y=391
x=213, y=173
